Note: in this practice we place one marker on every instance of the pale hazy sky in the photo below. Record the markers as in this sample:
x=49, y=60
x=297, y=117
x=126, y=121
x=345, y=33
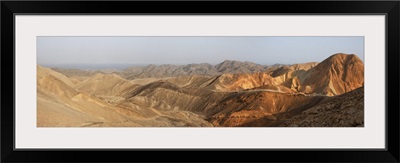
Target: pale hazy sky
x=185, y=50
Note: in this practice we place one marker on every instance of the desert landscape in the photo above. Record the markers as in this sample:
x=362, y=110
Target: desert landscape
x=328, y=93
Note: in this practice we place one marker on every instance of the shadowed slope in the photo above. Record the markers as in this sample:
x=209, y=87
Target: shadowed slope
x=258, y=107
x=346, y=110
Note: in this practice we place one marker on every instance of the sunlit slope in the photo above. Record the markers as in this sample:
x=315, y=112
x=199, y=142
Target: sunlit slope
x=59, y=105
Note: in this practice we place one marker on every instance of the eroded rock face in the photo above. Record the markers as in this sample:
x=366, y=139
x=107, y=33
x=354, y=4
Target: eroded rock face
x=258, y=108
x=336, y=75
x=229, y=94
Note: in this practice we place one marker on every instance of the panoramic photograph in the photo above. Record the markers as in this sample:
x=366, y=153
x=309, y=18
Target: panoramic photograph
x=199, y=81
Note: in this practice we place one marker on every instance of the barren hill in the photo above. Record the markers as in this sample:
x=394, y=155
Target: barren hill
x=105, y=84
x=336, y=75
x=228, y=94
x=60, y=105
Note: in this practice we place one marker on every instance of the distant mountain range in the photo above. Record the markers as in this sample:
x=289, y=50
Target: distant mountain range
x=167, y=70
x=229, y=94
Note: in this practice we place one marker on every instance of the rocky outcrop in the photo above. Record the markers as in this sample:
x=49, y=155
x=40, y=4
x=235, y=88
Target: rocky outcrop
x=346, y=110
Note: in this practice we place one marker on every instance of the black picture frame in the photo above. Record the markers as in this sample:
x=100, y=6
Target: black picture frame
x=11, y=8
